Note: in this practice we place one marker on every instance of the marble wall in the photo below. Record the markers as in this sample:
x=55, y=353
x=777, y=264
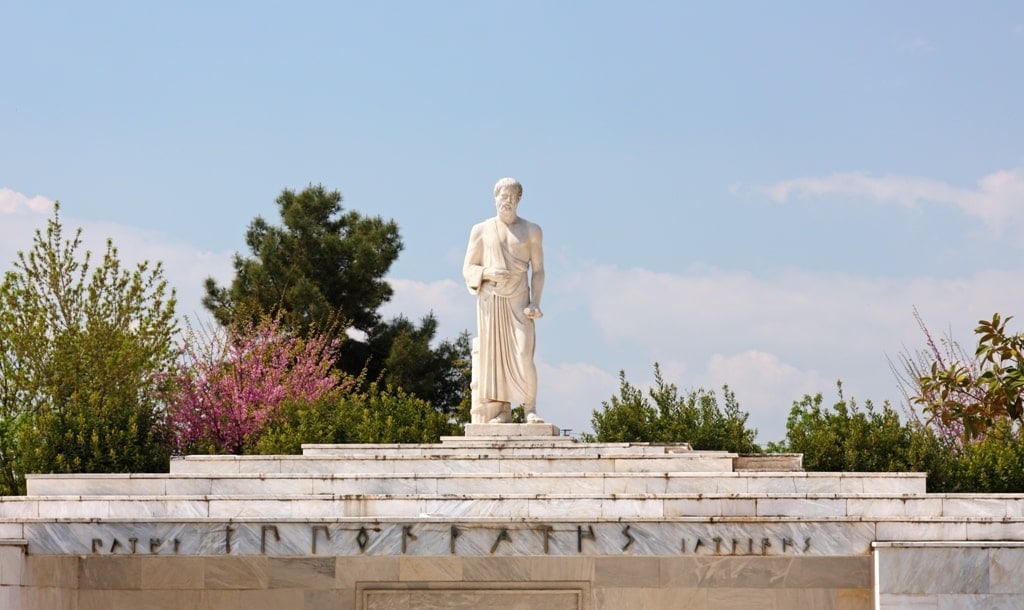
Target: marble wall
x=950, y=576
x=94, y=582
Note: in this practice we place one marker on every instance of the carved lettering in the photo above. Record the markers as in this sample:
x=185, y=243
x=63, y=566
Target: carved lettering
x=406, y=536
x=362, y=538
x=455, y=533
x=263, y=537
x=717, y=545
x=502, y=536
x=580, y=535
x=320, y=528
x=629, y=538
x=546, y=531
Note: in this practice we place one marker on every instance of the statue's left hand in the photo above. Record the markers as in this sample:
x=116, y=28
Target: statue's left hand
x=533, y=312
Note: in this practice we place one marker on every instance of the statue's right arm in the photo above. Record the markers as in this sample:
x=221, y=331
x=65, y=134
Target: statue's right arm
x=472, y=267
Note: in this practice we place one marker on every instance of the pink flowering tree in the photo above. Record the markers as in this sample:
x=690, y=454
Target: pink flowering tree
x=230, y=383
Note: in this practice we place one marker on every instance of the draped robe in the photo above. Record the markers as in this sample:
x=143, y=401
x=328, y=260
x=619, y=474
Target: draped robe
x=503, y=370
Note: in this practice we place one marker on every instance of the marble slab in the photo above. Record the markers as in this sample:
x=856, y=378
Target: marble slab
x=452, y=538
x=512, y=430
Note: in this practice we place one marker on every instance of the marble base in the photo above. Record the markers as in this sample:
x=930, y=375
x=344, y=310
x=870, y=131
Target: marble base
x=512, y=430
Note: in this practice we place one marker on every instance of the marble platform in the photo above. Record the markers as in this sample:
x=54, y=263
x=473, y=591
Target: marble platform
x=469, y=502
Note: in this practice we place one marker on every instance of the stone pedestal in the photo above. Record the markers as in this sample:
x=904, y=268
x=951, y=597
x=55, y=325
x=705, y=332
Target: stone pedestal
x=512, y=430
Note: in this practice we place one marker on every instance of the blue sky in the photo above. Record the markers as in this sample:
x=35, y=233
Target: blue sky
x=749, y=193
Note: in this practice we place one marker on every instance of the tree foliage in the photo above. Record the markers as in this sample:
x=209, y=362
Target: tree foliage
x=972, y=406
x=373, y=415
x=83, y=352
x=992, y=463
x=230, y=383
x=844, y=437
x=323, y=265
x=848, y=438
x=323, y=270
x=971, y=394
x=663, y=415
x=402, y=356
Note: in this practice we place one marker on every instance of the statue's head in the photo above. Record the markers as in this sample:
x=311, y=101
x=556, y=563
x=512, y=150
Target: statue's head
x=511, y=183
x=507, y=193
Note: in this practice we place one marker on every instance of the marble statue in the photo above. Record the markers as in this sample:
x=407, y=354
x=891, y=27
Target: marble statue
x=504, y=268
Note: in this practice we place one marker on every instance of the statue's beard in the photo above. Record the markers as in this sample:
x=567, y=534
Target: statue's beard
x=507, y=215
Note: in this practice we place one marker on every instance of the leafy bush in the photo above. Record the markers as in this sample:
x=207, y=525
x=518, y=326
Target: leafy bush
x=376, y=415
x=231, y=383
x=82, y=357
x=695, y=418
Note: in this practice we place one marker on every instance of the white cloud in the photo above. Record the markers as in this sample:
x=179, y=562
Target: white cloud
x=998, y=199
x=12, y=202
x=185, y=266
x=454, y=307
x=764, y=385
x=569, y=392
x=920, y=44
x=772, y=338
x=776, y=337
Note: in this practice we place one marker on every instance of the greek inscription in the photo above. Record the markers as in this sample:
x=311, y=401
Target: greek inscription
x=411, y=533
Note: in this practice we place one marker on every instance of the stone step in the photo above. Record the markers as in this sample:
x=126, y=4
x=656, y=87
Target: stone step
x=551, y=448
x=476, y=464
x=520, y=507
x=511, y=447
x=504, y=483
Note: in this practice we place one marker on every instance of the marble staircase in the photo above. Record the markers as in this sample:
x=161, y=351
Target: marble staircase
x=468, y=478
x=522, y=480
